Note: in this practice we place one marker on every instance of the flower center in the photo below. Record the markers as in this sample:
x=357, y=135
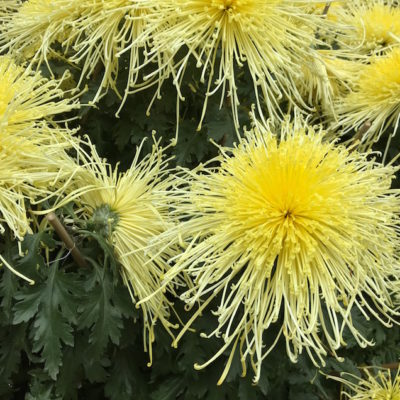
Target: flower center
x=104, y=220
x=287, y=214
x=228, y=4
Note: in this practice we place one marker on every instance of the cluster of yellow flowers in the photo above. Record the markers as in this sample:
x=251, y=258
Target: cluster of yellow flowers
x=363, y=73
x=288, y=227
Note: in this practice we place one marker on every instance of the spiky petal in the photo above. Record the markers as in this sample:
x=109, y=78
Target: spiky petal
x=32, y=146
x=92, y=34
x=375, y=25
x=293, y=232
x=131, y=209
x=374, y=97
x=271, y=39
x=382, y=385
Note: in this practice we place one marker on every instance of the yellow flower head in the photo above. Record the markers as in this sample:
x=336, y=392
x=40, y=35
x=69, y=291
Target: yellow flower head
x=32, y=147
x=270, y=38
x=374, y=98
x=381, y=386
x=131, y=209
x=90, y=33
x=376, y=24
x=293, y=231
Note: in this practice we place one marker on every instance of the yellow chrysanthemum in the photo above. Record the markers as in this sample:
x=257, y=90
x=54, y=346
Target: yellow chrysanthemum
x=90, y=33
x=376, y=24
x=292, y=231
x=381, y=386
x=271, y=38
x=374, y=98
x=131, y=209
x=32, y=147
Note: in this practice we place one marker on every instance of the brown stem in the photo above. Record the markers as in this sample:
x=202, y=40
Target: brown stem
x=393, y=365
x=326, y=9
x=66, y=238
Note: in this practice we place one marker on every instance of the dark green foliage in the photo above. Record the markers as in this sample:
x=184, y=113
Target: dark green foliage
x=76, y=334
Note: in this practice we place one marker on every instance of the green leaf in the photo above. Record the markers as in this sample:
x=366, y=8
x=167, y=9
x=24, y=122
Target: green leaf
x=27, y=305
x=99, y=313
x=51, y=303
x=50, y=329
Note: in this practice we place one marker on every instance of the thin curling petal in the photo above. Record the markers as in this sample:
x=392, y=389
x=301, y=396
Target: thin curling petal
x=382, y=385
x=32, y=146
x=375, y=25
x=271, y=39
x=32, y=30
x=374, y=98
x=131, y=209
x=93, y=34
x=106, y=31
x=8, y=6
x=295, y=231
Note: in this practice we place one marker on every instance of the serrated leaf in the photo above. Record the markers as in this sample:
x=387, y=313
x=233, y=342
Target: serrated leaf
x=51, y=304
x=27, y=305
x=99, y=313
x=50, y=329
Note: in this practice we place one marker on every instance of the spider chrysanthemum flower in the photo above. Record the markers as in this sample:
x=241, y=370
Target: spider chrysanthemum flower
x=32, y=146
x=92, y=34
x=294, y=233
x=130, y=209
x=374, y=98
x=379, y=386
x=272, y=39
x=375, y=23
